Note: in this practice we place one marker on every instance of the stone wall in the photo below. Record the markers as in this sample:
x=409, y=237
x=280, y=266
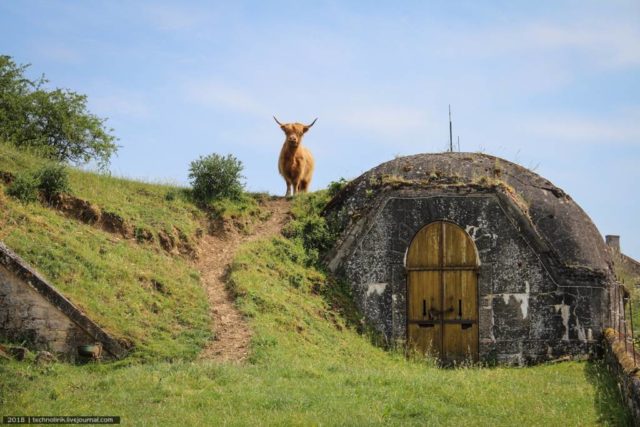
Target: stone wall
x=34, y=312
x=619, y=362
x=626, y=268
x=531, y=308
x=27, y=317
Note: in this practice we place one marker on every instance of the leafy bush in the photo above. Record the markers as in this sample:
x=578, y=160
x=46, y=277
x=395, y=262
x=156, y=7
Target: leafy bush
x=216, y=177
x=50, y=180
x=313, y=231
x=336, y=186
x=24, y=188
x=53, y=180
x=309, y=226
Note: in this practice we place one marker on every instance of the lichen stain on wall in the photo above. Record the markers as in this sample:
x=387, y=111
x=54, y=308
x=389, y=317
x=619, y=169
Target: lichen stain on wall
x=522, y=298
x=563, y=309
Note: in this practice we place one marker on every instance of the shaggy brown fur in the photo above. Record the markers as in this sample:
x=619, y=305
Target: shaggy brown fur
x=296, y=162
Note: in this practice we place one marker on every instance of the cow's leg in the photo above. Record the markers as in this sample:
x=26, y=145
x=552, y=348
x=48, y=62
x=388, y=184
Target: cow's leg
x=288, y=189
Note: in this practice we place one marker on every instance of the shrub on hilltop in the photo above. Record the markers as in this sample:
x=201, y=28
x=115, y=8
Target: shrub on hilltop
x=216, y=177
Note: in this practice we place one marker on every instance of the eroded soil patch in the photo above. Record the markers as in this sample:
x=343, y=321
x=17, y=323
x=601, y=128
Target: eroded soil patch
x=232, y=334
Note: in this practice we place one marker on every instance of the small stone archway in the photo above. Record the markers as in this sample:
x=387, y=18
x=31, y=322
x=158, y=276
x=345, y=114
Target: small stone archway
x=442, y=267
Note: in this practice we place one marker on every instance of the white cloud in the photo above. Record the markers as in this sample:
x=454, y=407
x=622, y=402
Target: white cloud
x=169, y=17
x=58, y=52
x=121, y=104
x=385, y=120
x=601, y=43
x=619, y=130
x=216, y=94
x=615, y=45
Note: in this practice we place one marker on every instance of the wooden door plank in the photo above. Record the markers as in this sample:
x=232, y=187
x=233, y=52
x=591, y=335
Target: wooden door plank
x=460, y=295
x=460, y=340
x=461, y=343
x=424, y=249
x=425, y=340
x=424, y=295
x=459, y=249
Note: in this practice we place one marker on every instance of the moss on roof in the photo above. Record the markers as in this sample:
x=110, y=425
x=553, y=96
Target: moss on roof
x=557, y=219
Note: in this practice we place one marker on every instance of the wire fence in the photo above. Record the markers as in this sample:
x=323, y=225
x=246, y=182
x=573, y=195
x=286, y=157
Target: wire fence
x=621, y=320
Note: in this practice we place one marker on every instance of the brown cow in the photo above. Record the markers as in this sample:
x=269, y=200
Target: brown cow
x=296, y=162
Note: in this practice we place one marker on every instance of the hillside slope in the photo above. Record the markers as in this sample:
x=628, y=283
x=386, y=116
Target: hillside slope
x=231, y=333
x=142, y=293
x=310, y=359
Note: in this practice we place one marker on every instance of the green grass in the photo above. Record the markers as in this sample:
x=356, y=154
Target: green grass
x=309, y=367
x=310, y=364
x=244, y=213
x=137, y=292
x=151, y=206
x=183, y=393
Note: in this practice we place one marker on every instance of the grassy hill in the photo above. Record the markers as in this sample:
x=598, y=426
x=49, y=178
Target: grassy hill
x=138, y=291
x=310, y=363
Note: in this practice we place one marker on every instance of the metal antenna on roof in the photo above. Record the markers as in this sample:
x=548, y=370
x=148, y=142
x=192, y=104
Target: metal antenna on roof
x=450, y=131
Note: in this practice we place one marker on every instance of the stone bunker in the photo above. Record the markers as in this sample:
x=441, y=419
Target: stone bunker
x=34, y=313
x=469, y=256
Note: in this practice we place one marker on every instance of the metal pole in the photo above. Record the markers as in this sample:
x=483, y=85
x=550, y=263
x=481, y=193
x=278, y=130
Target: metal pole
x=633, y=335
x=619, y=316
x=626, y=349
x=610, y=307
x=450, y=131
x=617, y=327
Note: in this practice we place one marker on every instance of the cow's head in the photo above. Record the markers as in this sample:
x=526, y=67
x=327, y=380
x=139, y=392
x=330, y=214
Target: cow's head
x=294, y=131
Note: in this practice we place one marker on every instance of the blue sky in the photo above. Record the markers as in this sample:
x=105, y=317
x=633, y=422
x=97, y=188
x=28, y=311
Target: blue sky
x=552, y=85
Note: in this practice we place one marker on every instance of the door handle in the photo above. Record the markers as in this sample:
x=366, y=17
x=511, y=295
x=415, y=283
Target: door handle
x=423, y=325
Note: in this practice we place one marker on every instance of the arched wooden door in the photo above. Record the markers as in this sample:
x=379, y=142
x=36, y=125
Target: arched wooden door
x=442, y=293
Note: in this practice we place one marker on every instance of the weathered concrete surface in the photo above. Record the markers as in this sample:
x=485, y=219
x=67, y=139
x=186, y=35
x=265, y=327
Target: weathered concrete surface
x=544, y=274
x=34, y=312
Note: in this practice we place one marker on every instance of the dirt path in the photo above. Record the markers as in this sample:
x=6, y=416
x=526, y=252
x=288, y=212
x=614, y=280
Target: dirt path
x=232, y=333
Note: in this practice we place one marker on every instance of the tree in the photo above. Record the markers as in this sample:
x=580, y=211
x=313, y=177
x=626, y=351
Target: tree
x=56, y=122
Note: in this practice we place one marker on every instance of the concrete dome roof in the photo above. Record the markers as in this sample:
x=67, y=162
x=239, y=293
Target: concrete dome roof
x=571, y=238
